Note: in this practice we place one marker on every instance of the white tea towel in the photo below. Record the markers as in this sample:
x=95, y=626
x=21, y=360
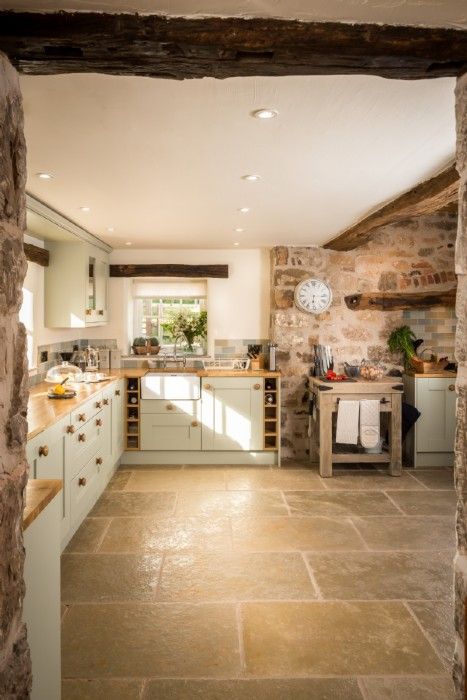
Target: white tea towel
x=347, y=422
x=369, y=422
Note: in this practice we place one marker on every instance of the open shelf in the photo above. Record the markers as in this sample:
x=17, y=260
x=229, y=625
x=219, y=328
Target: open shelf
x=132, y=414
x=271, y=414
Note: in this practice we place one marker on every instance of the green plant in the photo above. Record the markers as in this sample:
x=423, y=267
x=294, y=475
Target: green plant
x=188, y=326
x=401, y=340
x=139, y=342
x=153, y=341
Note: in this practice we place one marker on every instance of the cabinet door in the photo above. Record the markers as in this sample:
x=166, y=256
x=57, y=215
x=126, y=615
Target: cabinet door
x=436, y=400
x=169, y=432
x=101, y=277
x=232, y=413
x=46, y=457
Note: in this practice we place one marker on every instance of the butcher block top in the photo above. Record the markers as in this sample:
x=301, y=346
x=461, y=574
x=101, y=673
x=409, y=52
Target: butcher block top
x=386, y=385
x=44, y=412
x=38, y=494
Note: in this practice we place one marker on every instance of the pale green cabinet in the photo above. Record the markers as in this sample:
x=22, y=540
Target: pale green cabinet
x=170, y=425
x=232, y=413
x=431, y=440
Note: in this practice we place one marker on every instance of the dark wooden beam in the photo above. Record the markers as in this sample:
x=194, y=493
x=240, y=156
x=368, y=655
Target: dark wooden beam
x=389, y=301
x=169, y=271
x=430, y=196
x=177, y=47
x=36, y=255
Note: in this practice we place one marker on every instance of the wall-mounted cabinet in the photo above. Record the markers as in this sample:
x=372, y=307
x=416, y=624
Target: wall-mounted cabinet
x=76, y=284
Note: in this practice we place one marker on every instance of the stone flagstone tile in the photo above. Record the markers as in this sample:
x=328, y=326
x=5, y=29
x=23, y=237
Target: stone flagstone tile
x=275, y=479
x=294, y=533
x=259, y=689
x=436, y=478
x=122, y=503
x=141, y=640
x=288, y=639
x=88, y=535
x=119, y=480
x=333, y=503
x=434, y=688
x=234, y=576
x=187, y=479
x=231, y=503
x=104, y=578
x=438, y=621
x=407, y=532
x=150, y=535
x=425, y=502
x=370, y=480
x=383, y=575
x=101, y=690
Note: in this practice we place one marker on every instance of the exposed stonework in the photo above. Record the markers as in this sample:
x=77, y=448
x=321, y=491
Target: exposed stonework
x=461, y=423
x=15, y=667
x=413, y=256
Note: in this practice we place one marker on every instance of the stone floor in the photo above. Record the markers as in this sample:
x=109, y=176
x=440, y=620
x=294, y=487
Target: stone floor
x=239, y=582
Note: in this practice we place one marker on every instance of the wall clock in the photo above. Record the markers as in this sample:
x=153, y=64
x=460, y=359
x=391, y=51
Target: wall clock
x=313, y=296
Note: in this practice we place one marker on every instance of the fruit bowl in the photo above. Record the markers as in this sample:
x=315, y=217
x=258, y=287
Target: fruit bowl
x=371, y=373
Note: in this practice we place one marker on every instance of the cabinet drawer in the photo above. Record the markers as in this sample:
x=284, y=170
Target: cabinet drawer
x=85, y=489
x=84, y=442
x=87, y=410
x=170, y=432
x=182, y=408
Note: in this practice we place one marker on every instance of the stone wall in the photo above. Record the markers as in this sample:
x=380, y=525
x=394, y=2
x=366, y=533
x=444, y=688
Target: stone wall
x=15, y=667
x=461, y=356
x=415, y=256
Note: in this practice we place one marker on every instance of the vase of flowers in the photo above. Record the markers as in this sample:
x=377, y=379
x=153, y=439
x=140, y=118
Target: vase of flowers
x=187, y=327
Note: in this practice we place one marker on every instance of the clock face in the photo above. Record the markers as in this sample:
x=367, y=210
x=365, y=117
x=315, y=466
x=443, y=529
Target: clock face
x=313, y=296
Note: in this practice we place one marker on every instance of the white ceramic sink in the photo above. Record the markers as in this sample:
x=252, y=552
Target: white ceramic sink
x=171, y=387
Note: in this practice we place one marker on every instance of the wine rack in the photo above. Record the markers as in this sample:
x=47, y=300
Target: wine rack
x=272, y=413
x=132, y=413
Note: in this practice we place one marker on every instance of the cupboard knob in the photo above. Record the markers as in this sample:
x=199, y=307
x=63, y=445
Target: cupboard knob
x=88, y=312
x=117, y=392
x=98, y=422
x=257, y=386
x=98, y=404
x=98, y=460
x=169, y=407
x=208, y=387
x=452, y=387
x=70, y=429
x=194, y=423
x=82, y=437
x=82, y=481
x=82, y=417
x=43, y=451
x=106, y=402
x=101, y=312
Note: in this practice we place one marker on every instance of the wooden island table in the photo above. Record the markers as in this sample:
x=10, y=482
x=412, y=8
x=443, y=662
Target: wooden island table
x=326, y=396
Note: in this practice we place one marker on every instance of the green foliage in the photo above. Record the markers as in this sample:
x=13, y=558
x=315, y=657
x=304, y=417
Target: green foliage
x=153, y=341
x=187, y=325
x=139, y=342
x=401, y=340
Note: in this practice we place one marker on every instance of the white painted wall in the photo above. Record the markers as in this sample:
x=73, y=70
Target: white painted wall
x=238, y=307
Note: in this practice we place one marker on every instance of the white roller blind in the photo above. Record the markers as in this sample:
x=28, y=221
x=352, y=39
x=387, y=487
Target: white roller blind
x=155, y=289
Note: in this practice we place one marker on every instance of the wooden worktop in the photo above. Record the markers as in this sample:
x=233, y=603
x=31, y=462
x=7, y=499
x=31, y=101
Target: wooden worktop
x=441, y=374
x=44, y=412
x=361, y=386
x=38, y=494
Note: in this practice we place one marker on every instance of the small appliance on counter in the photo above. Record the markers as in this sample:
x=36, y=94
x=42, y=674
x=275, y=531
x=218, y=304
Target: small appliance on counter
x=272, y=356
x=104, y=358
x=115, y=359
x=92, y=359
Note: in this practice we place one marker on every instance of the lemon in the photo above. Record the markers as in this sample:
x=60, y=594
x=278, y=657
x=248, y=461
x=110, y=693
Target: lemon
x=59, y=389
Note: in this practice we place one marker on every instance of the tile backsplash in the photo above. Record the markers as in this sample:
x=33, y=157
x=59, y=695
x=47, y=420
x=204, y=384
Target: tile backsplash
x=237, y=347
x=436, y=326
x=54, y=349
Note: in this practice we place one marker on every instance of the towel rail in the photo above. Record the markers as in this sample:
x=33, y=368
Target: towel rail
x=383, y=400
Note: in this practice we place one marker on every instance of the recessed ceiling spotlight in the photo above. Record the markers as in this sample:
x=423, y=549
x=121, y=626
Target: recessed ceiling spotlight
x=128, y=243
x=45, y=176
x=264, y=113
x=244, y=210
x=85, y=208
x=239, y=230
x=110, y=229
x=236, y=243
x=251, y=178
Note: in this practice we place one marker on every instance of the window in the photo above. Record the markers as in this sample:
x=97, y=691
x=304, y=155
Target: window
x=26, y=316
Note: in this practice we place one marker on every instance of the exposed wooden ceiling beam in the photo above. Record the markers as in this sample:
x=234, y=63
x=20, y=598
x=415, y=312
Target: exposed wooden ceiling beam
x=221, y=271
x=36, y=255
x=430, y=196
x=396, y=301
x=177, y=47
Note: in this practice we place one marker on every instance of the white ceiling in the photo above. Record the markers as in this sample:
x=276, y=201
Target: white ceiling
x=424, y=12
x=161, y=161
